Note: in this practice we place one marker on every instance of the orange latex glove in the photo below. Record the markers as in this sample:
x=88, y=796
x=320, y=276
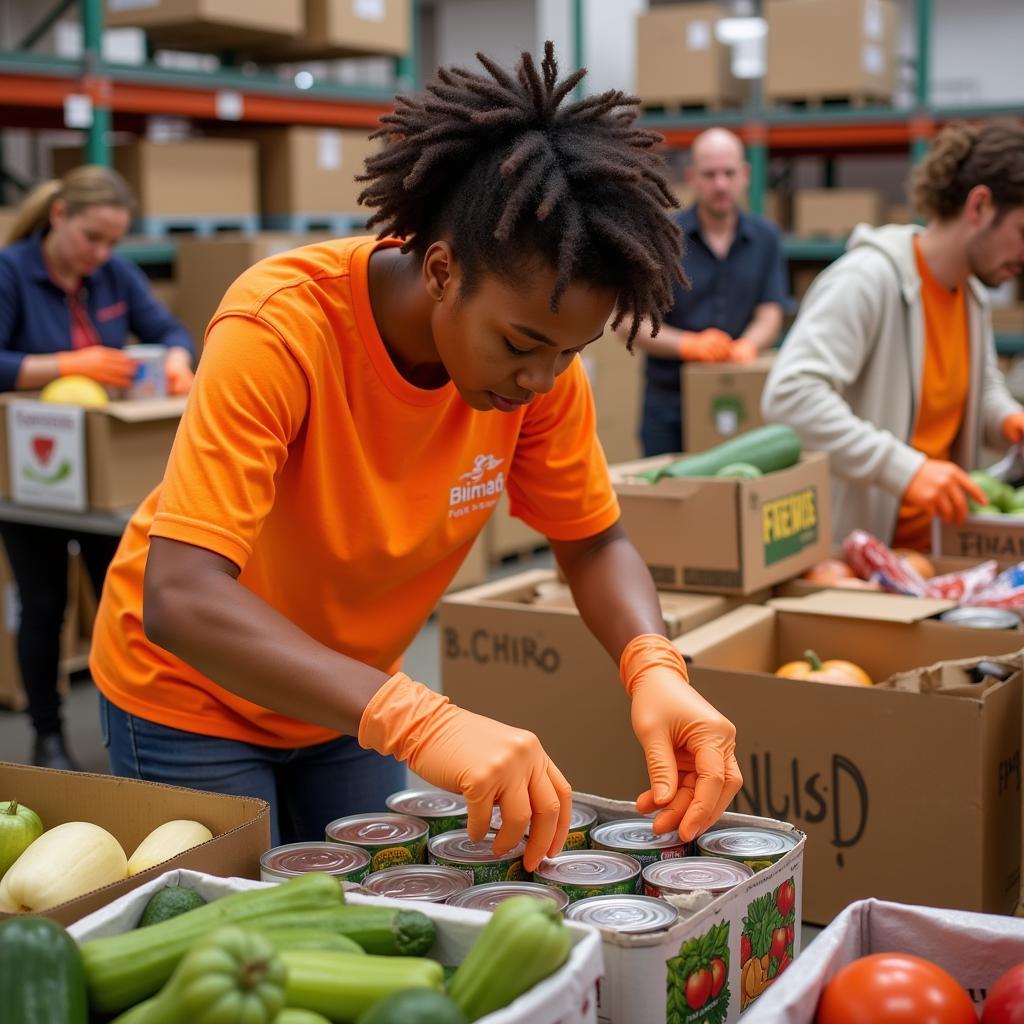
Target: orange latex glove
x=178, y=367
x=743, y=351
x=690, y=748
x=487, y=762
x=1013, y=427
x=942, y=489
x=106, y=365
x=710, y=346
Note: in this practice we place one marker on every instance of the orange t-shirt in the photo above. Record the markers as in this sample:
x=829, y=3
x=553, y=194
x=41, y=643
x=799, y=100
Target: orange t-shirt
x=347, y=496
x=944, y=385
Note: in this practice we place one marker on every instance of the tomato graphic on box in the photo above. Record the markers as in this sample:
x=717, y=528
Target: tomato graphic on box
x=766, y=942
x=698, y=979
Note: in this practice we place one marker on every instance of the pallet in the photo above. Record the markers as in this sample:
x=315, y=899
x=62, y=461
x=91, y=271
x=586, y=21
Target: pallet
x=687, y=109
x=198, y=227
x=337, y=224
x=844, y=101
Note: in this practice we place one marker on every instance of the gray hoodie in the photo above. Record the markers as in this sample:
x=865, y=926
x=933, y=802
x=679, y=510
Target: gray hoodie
x=848, y=378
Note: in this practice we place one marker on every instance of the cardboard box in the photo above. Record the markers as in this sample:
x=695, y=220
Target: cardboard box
x=126, y=448
x=616, y=380
x=727, y=536
x=721, y=400
x=976, y=949
x=506, y=536
x=567, y=995
x=312, y=171
x=835, y=212
x=7, y=215
x=200, y=25
x=193, y=178
x=348, y=28
x=803, y=277
x=518, y=651
x=679, y=62
x=473, y=570
x=130, y=810
x=830, y=50
x=868, y=773
x=1008, y=319
x=980, y=538
x=900, y=213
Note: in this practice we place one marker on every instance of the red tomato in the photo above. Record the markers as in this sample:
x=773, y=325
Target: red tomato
x=1005, y=1002
x=778, y=950
x=698, y=988
x=894, y=988
x=746, y=950
x=717, y=976
x=789, y=935
x=785, y=898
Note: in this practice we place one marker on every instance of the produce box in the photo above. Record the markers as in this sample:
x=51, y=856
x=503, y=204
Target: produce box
x=976, y=949
x=880, y=778
x=981, y=537
x=835, y=212
x=518, y=651
x=727, y=536
x=721, y=400
x=645, y=976
x=567, y=995
x=130, y=810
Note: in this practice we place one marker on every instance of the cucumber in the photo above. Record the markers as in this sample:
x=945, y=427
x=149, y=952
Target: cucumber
x=168, y=903
x=380, y=930
x=769, y=449
x=414, y=1006
x=308, y=938
x=740, y=471
x=41, y=978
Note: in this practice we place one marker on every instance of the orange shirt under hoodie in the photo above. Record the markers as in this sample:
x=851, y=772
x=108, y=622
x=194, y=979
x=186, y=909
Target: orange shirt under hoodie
x=944, y=385
x=347, y=496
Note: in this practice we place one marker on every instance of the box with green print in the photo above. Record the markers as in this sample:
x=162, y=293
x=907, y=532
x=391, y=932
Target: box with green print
x=724, y=952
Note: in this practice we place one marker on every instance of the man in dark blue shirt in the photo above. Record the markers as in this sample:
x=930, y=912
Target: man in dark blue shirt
x=733, y=308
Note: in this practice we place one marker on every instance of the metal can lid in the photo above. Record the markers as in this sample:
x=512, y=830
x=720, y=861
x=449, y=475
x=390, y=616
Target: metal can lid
x=490, y=894
x=982, y=618
x=634, y=834
x=426, y=803
x=376, y=829
x=588, y=868
x=582, y=817
x=687, y=874
x=298, y=858
x=431, y=882
x=630, y=915
x=458, y=847
x=746, y=842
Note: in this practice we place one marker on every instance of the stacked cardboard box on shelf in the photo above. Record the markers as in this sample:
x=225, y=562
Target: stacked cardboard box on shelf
x=835, y=212
x=347, y=28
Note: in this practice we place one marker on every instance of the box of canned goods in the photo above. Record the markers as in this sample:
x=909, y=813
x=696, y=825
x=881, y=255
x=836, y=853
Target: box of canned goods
x=581, y=822
x=628, y=914
x=431, y=883
x=389, y=839
x=635, y=837
x=347, y=863
x=583, y=873
x=489, y=895
x=442, y=811
x=693, y=874
x=758, y=848
x=478, y=860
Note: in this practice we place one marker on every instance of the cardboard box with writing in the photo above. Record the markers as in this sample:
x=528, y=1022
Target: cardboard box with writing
x=721, y=400
x=727, y=536
x=129, y=810
x=908, y=790
x=980, y=538
x=679, y=62
x=200, y=25
x=835, y=212
x=830, y=49
x=348, y=28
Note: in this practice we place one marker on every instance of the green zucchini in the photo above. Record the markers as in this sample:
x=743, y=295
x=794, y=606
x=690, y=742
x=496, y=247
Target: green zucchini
x=41, y=977
x=769, y=449
x=308, y=938
x=381, y=930
x=413, y=1006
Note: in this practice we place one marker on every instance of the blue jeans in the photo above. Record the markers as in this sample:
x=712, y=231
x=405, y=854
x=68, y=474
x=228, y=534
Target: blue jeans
x=661, y=432
x=306, y=787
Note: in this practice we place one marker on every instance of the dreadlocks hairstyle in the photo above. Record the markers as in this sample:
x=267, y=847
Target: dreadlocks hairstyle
x=497, y=166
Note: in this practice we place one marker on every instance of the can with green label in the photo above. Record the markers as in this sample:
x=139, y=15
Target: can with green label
x=584, y=873
x=478, y=860
x=389, y=839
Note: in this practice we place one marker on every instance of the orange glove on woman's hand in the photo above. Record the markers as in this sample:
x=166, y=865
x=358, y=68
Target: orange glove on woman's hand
x=105, y=365
x=487, y=762
x=178, y=367
x=1013, y=427
x=690, y=748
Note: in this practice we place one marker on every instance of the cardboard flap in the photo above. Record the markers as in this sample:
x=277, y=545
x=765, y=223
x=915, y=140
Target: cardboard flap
x=965, y=677
x=142, y=410
x=699, y=640
x=852, y=604
x=520, y=590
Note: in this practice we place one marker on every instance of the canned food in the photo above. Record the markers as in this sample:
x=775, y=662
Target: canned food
x=442, y=811
x=150, y=379
x=628, y=915
x=389, y=839
x=756, y=847
x=478, y=860
x=583, y=873
x=581, y=821
x=636, y=837
x=346, y=863
x=690, y=874
x=981, y=618
x=430, y=883
x=488, y=896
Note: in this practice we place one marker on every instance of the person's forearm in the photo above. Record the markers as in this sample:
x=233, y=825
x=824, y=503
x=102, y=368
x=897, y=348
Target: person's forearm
x=664, y=346
x=763, y=330
x=612, y=588
x=37, y=371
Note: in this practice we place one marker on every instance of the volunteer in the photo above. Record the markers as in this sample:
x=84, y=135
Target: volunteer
x=360, y=407
x=67, y=306
x=733, y=309
x=890, y=366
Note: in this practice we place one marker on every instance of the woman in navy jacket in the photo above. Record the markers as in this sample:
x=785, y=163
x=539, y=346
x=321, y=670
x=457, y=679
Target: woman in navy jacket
x=68, y=306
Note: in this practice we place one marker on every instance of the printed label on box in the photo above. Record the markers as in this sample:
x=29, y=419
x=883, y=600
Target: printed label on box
x=698, y=35
x=789, y=524
x=698, y=979
x=328, y=150
x=873, y=59
x=873, y=19
x=767, y=940
x=727, y=413
x=369, y=10
x=46, y=448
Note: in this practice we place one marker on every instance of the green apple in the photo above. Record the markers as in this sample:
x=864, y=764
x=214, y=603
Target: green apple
x=20, y=827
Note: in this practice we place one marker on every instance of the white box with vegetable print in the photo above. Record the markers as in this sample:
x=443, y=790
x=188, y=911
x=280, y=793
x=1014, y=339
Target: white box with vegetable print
x=702, y=970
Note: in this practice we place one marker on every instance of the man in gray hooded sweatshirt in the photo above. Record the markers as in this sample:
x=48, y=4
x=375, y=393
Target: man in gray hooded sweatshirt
x=890, y=366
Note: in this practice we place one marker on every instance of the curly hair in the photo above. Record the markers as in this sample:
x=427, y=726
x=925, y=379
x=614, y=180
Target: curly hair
x=963, y=156
x=501, y=169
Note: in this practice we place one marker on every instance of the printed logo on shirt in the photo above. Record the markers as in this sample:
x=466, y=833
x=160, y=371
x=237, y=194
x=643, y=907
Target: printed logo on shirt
x=111, y=312
x=478, y=488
